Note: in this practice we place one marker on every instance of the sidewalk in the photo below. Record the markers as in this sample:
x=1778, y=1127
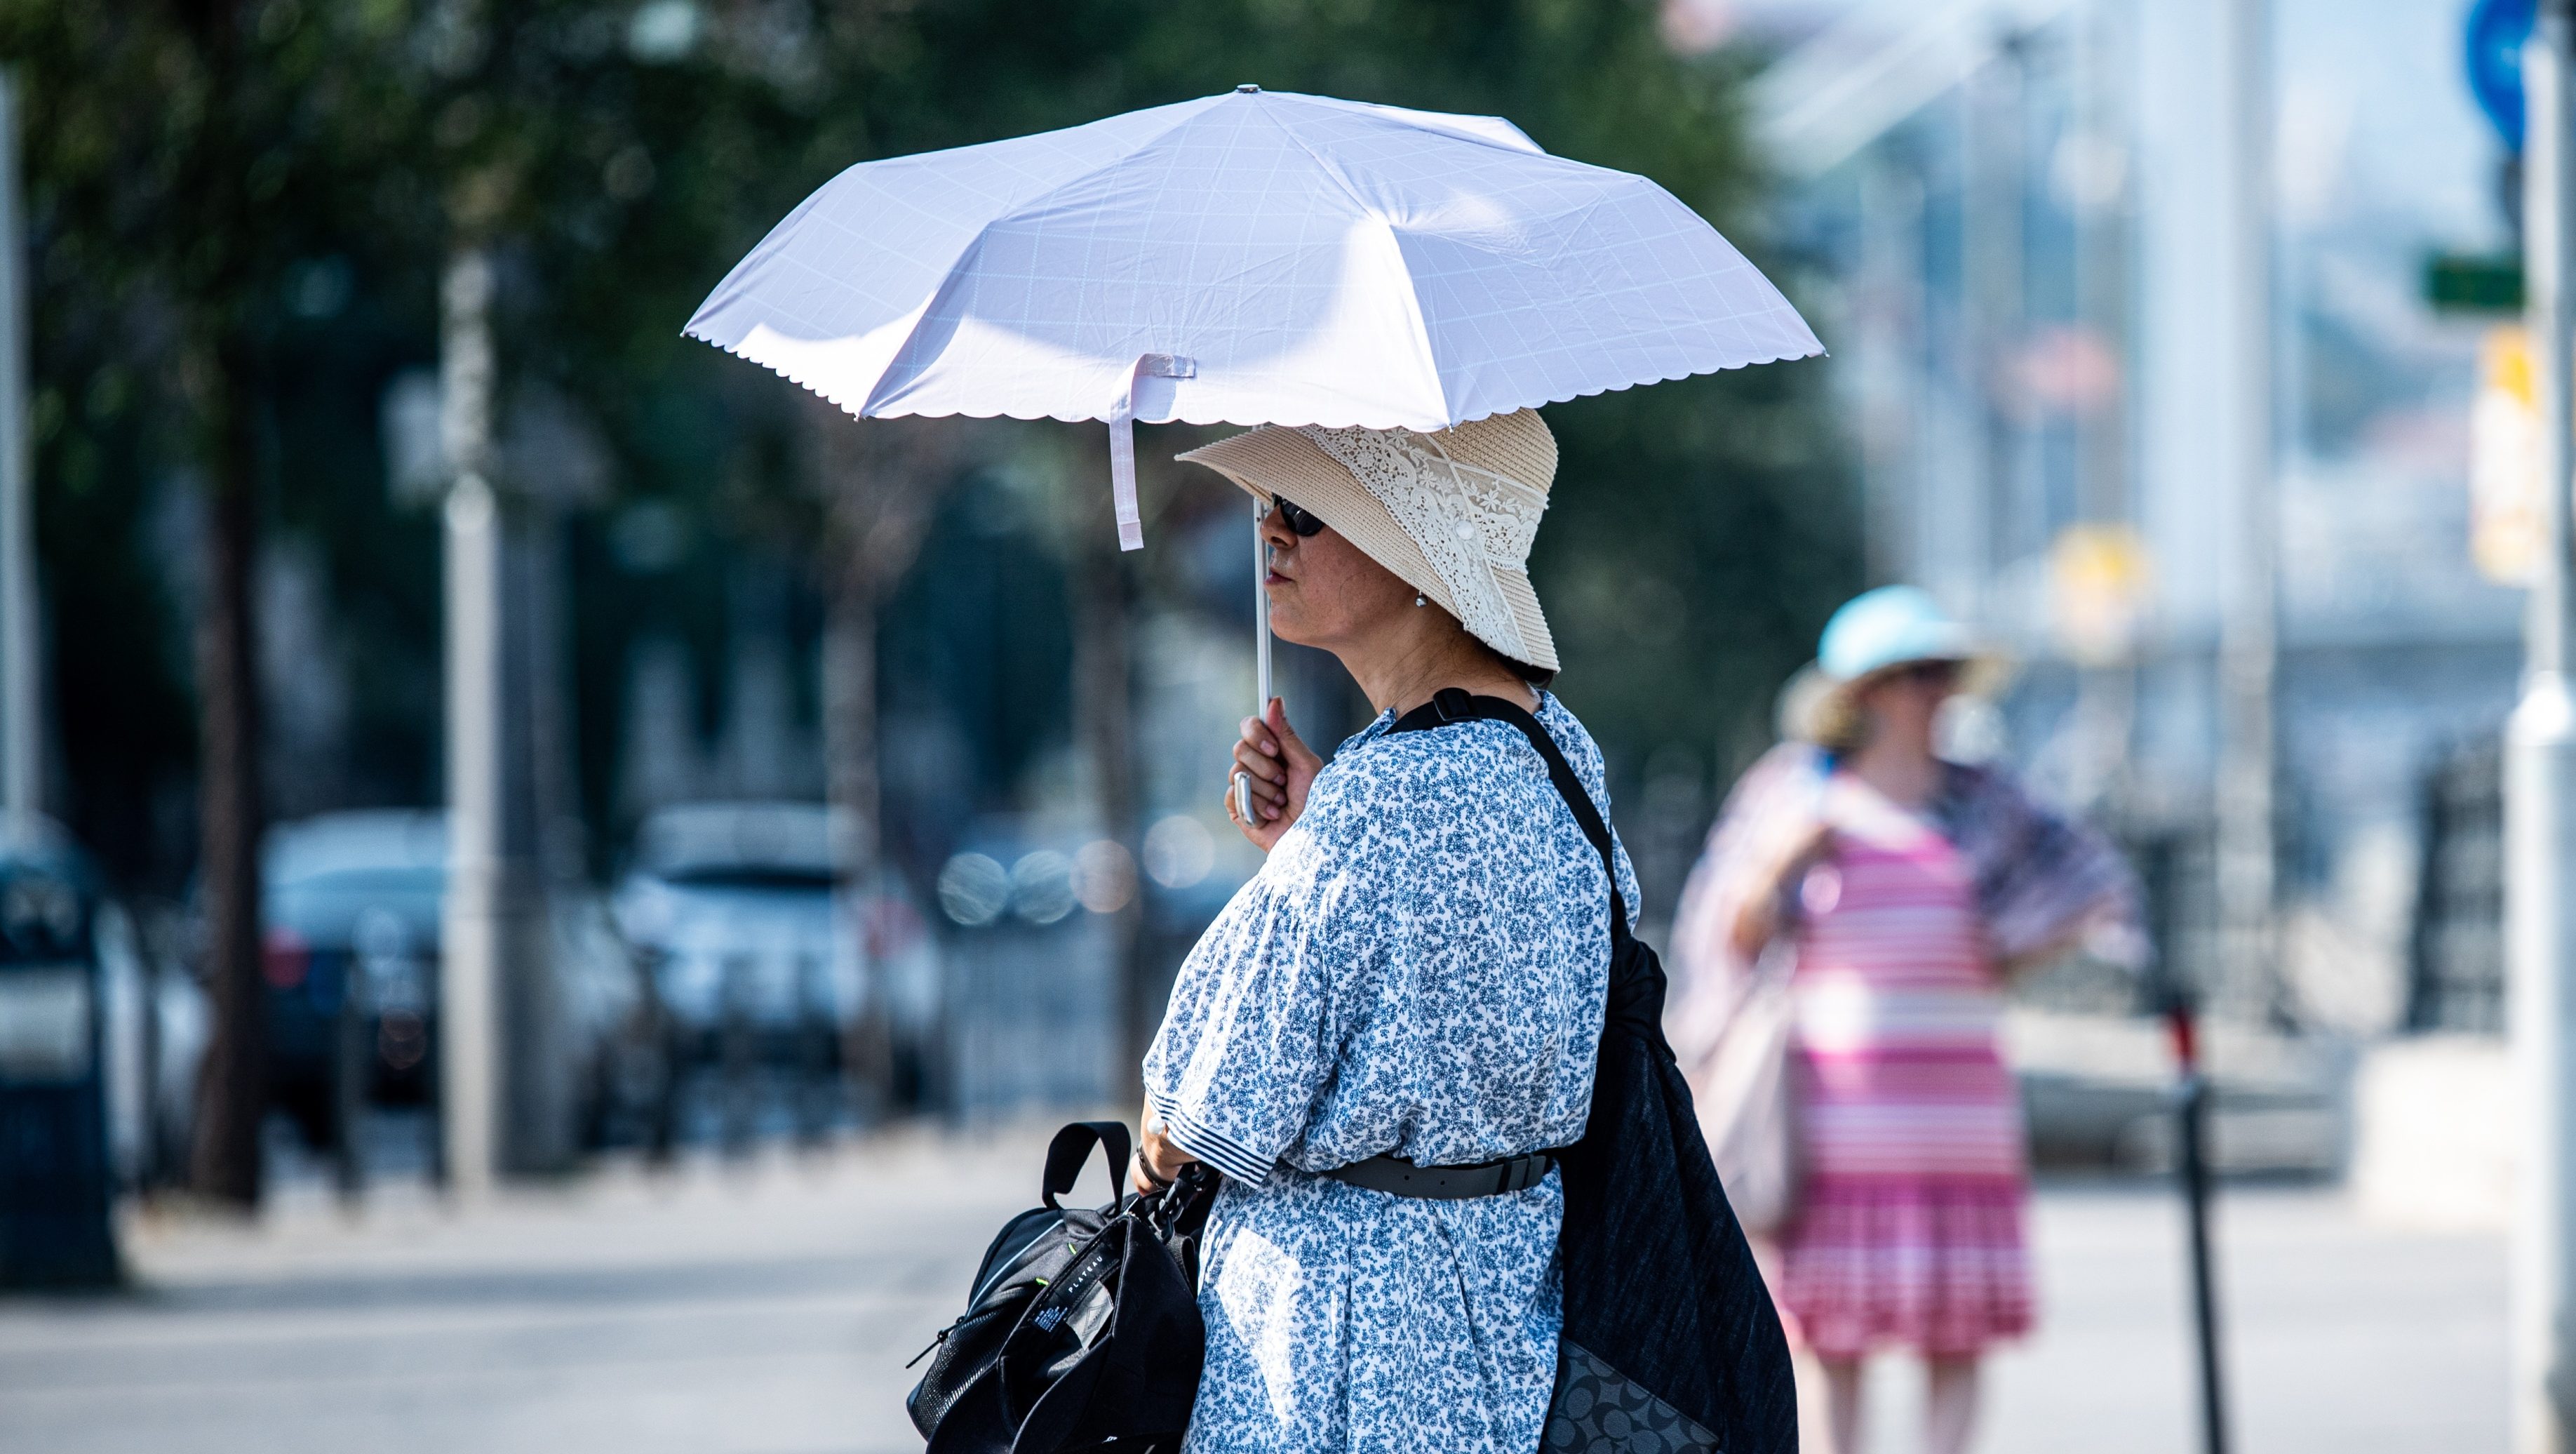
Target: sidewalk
x=768, y=1309
x=2340, y=1336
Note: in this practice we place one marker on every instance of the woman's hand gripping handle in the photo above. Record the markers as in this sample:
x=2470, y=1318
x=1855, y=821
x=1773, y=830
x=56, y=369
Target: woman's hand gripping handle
x=1279, y=768
x=1157, y=1160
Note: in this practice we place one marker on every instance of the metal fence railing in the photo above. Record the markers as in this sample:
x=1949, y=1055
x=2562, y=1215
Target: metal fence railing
x=2455, y=974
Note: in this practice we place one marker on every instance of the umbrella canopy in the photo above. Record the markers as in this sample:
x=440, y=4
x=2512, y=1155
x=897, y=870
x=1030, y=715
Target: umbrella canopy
x=1257, y=257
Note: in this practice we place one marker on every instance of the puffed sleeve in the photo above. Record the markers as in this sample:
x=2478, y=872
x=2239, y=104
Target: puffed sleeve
x=1243, y=1051
x=2044, y=880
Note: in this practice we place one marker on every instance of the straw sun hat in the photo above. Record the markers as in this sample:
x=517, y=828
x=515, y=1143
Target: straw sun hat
x=1451, y=513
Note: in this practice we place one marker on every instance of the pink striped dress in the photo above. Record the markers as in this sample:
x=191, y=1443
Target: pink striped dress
x=1909, y=1224
x=1910, y=1208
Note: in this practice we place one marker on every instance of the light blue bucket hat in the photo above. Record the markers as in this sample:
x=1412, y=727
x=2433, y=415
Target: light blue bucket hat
x=1874, y=632
x=1889, y=627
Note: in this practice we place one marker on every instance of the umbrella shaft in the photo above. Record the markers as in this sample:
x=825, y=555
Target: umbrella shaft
x=1260, y=610
x=1260, y=650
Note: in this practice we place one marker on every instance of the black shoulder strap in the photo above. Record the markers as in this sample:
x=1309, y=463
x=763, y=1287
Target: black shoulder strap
x=1452, y=704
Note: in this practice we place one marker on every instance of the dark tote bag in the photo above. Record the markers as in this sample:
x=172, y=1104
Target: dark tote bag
x=1671, y=1345
x=1081, y=1333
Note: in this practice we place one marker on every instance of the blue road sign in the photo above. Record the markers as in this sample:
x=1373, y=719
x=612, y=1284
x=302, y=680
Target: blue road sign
x=2497, y=29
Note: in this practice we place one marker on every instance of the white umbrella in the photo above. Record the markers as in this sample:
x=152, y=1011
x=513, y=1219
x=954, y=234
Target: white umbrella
x=1257, y=257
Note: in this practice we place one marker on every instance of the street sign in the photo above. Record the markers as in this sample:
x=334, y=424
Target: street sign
x=2474, y=283
x=2495, y=34
x=2099, y=582
x=2504, y=460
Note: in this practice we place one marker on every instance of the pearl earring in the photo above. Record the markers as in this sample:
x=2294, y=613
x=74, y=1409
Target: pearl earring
x=1417, y=599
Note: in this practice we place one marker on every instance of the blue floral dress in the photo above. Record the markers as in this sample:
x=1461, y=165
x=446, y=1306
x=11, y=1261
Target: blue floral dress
x=1418, y=969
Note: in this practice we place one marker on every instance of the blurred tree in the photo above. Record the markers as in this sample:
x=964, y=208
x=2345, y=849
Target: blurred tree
x=615, y=157
x=1704, y=528
x=879, y=490
x=164, y=234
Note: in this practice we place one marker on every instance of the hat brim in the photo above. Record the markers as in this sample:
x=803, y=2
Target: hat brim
x=1813, y=707
x=1272, y=461
x=1981, y=674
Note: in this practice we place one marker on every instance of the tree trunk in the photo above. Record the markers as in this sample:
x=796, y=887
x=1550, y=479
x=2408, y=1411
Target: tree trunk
x=1104, y=711
x=851, y=786
x=850, y=725
x=879, y=482
x=232, y=1096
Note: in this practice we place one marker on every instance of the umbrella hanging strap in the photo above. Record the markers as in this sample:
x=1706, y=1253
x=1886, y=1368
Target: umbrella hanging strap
x=1122, y=440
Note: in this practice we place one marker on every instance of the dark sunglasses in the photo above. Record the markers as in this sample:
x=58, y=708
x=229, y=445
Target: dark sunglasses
x=1934, y=673
x=1306, y=526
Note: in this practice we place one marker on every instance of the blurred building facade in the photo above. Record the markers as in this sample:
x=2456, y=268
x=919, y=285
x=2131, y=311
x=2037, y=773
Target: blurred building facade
x=2026, y=210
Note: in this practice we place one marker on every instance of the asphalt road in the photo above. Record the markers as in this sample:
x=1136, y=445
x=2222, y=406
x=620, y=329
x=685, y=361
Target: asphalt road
x=768, y=1309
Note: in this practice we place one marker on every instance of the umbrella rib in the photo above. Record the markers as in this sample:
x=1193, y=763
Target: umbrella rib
x=1412, y=296
x=947, y=281
x=949, y=272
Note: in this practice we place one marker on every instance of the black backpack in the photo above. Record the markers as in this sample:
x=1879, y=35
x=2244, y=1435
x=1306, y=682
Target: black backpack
x=1081, y=1330
x=1671, y=1343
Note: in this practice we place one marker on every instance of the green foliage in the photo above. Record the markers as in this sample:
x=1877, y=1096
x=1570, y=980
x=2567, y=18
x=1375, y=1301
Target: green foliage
x=186, y=168
x=620, y=157
x=1702, y=529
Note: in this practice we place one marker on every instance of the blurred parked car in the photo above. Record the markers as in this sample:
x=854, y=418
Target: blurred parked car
x=353, y=902
x=732, y=907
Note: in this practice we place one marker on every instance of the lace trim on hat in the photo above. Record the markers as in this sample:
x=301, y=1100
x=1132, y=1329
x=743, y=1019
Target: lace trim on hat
x=1470, y=522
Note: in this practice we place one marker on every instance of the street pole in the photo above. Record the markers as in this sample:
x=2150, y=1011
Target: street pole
x=21, y=743
x=2106, y=704
x=2248, y=646
x=1993, y=259
x=473, y=939
x=1886, y=328
x=2540, y=781
x=504, y=1086
x=2191, y=1126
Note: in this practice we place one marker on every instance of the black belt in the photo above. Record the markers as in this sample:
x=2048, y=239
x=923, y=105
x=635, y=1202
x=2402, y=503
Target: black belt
x=1395, y=1175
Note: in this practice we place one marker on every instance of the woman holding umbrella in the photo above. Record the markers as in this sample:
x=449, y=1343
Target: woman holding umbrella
x=1414, y=980
x=1902, y=892
x=1388, y=1030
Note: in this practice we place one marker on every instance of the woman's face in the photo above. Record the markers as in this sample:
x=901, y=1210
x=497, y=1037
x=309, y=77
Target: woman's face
x=1323, y=591
x=1902, y=703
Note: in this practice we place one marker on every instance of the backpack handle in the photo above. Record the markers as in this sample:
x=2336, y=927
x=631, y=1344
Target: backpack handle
x=1071, y=1148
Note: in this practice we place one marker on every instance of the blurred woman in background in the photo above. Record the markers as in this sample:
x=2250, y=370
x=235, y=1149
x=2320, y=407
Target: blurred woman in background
x=1899, y=893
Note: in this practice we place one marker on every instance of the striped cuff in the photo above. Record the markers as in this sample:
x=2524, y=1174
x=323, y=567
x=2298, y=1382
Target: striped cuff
x=1213, y=1147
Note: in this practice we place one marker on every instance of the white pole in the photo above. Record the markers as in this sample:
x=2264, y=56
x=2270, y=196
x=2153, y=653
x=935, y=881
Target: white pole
x=2248, y=647
x=472, y=950
x=1994, y=248
x=21, y=743
x=2540, y=770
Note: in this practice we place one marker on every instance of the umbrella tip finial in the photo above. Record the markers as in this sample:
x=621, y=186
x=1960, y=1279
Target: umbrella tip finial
x=1247, y=89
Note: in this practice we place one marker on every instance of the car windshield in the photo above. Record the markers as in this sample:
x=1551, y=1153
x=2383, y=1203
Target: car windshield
x=316, y=902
